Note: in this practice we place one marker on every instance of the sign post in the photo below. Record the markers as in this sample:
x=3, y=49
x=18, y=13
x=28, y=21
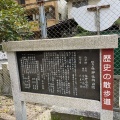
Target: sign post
x=73, y=74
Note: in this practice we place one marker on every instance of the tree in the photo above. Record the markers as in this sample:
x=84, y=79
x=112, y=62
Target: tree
x=13, y=23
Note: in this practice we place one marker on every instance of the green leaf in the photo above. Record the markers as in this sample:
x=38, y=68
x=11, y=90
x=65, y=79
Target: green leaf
x=13, y=22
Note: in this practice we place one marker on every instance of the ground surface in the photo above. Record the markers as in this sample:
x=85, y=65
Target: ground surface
x=34, y=111
x=7, y=109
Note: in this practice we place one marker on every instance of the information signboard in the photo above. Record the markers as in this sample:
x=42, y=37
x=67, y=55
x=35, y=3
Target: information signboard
x=73, y=73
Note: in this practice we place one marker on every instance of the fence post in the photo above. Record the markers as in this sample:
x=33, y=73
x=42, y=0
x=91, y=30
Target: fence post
x=42, y=19
x=1, y=81
x=116, y=91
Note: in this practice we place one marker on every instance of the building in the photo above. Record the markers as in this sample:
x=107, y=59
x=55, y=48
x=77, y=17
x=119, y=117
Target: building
x=52, y=11
x=62, y=10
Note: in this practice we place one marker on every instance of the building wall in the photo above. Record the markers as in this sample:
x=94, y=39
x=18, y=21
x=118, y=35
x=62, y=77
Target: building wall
x=62, y=9
x=69, y=4
x=59, y=8
x=33, y=13
x=69, y=8
x=51, y=22
x=93, y=2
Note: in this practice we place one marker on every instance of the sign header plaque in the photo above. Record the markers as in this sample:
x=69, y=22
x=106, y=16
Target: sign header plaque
x=107, y=79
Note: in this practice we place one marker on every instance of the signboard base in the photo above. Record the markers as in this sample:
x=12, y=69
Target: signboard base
x=106, y=115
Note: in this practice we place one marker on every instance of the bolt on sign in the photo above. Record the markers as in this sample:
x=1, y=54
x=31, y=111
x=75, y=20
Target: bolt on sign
x=107, y=78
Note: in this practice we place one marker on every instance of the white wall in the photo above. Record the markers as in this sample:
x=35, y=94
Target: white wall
x=93, y=2
x=69, y=8
x=69, y=4
x=3, y=55
x=62, y=8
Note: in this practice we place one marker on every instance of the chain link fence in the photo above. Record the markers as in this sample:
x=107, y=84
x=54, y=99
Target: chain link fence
x=61, y=23
x=72, y=18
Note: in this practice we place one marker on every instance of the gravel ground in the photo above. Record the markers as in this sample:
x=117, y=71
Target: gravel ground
x=7, y=111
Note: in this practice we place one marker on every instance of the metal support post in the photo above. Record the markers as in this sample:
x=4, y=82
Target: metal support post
x=42, y=19
x=97, y=9
x=98, y=20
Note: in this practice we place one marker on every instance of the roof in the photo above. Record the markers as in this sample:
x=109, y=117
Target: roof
x=57, y=30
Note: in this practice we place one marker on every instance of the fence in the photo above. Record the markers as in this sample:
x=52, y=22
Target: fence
x=70, y=18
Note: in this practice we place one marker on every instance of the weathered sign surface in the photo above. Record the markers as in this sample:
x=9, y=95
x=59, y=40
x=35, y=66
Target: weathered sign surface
x=64, y=73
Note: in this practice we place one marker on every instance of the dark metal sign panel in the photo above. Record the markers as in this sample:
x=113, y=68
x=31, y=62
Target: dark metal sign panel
x=64, y=73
